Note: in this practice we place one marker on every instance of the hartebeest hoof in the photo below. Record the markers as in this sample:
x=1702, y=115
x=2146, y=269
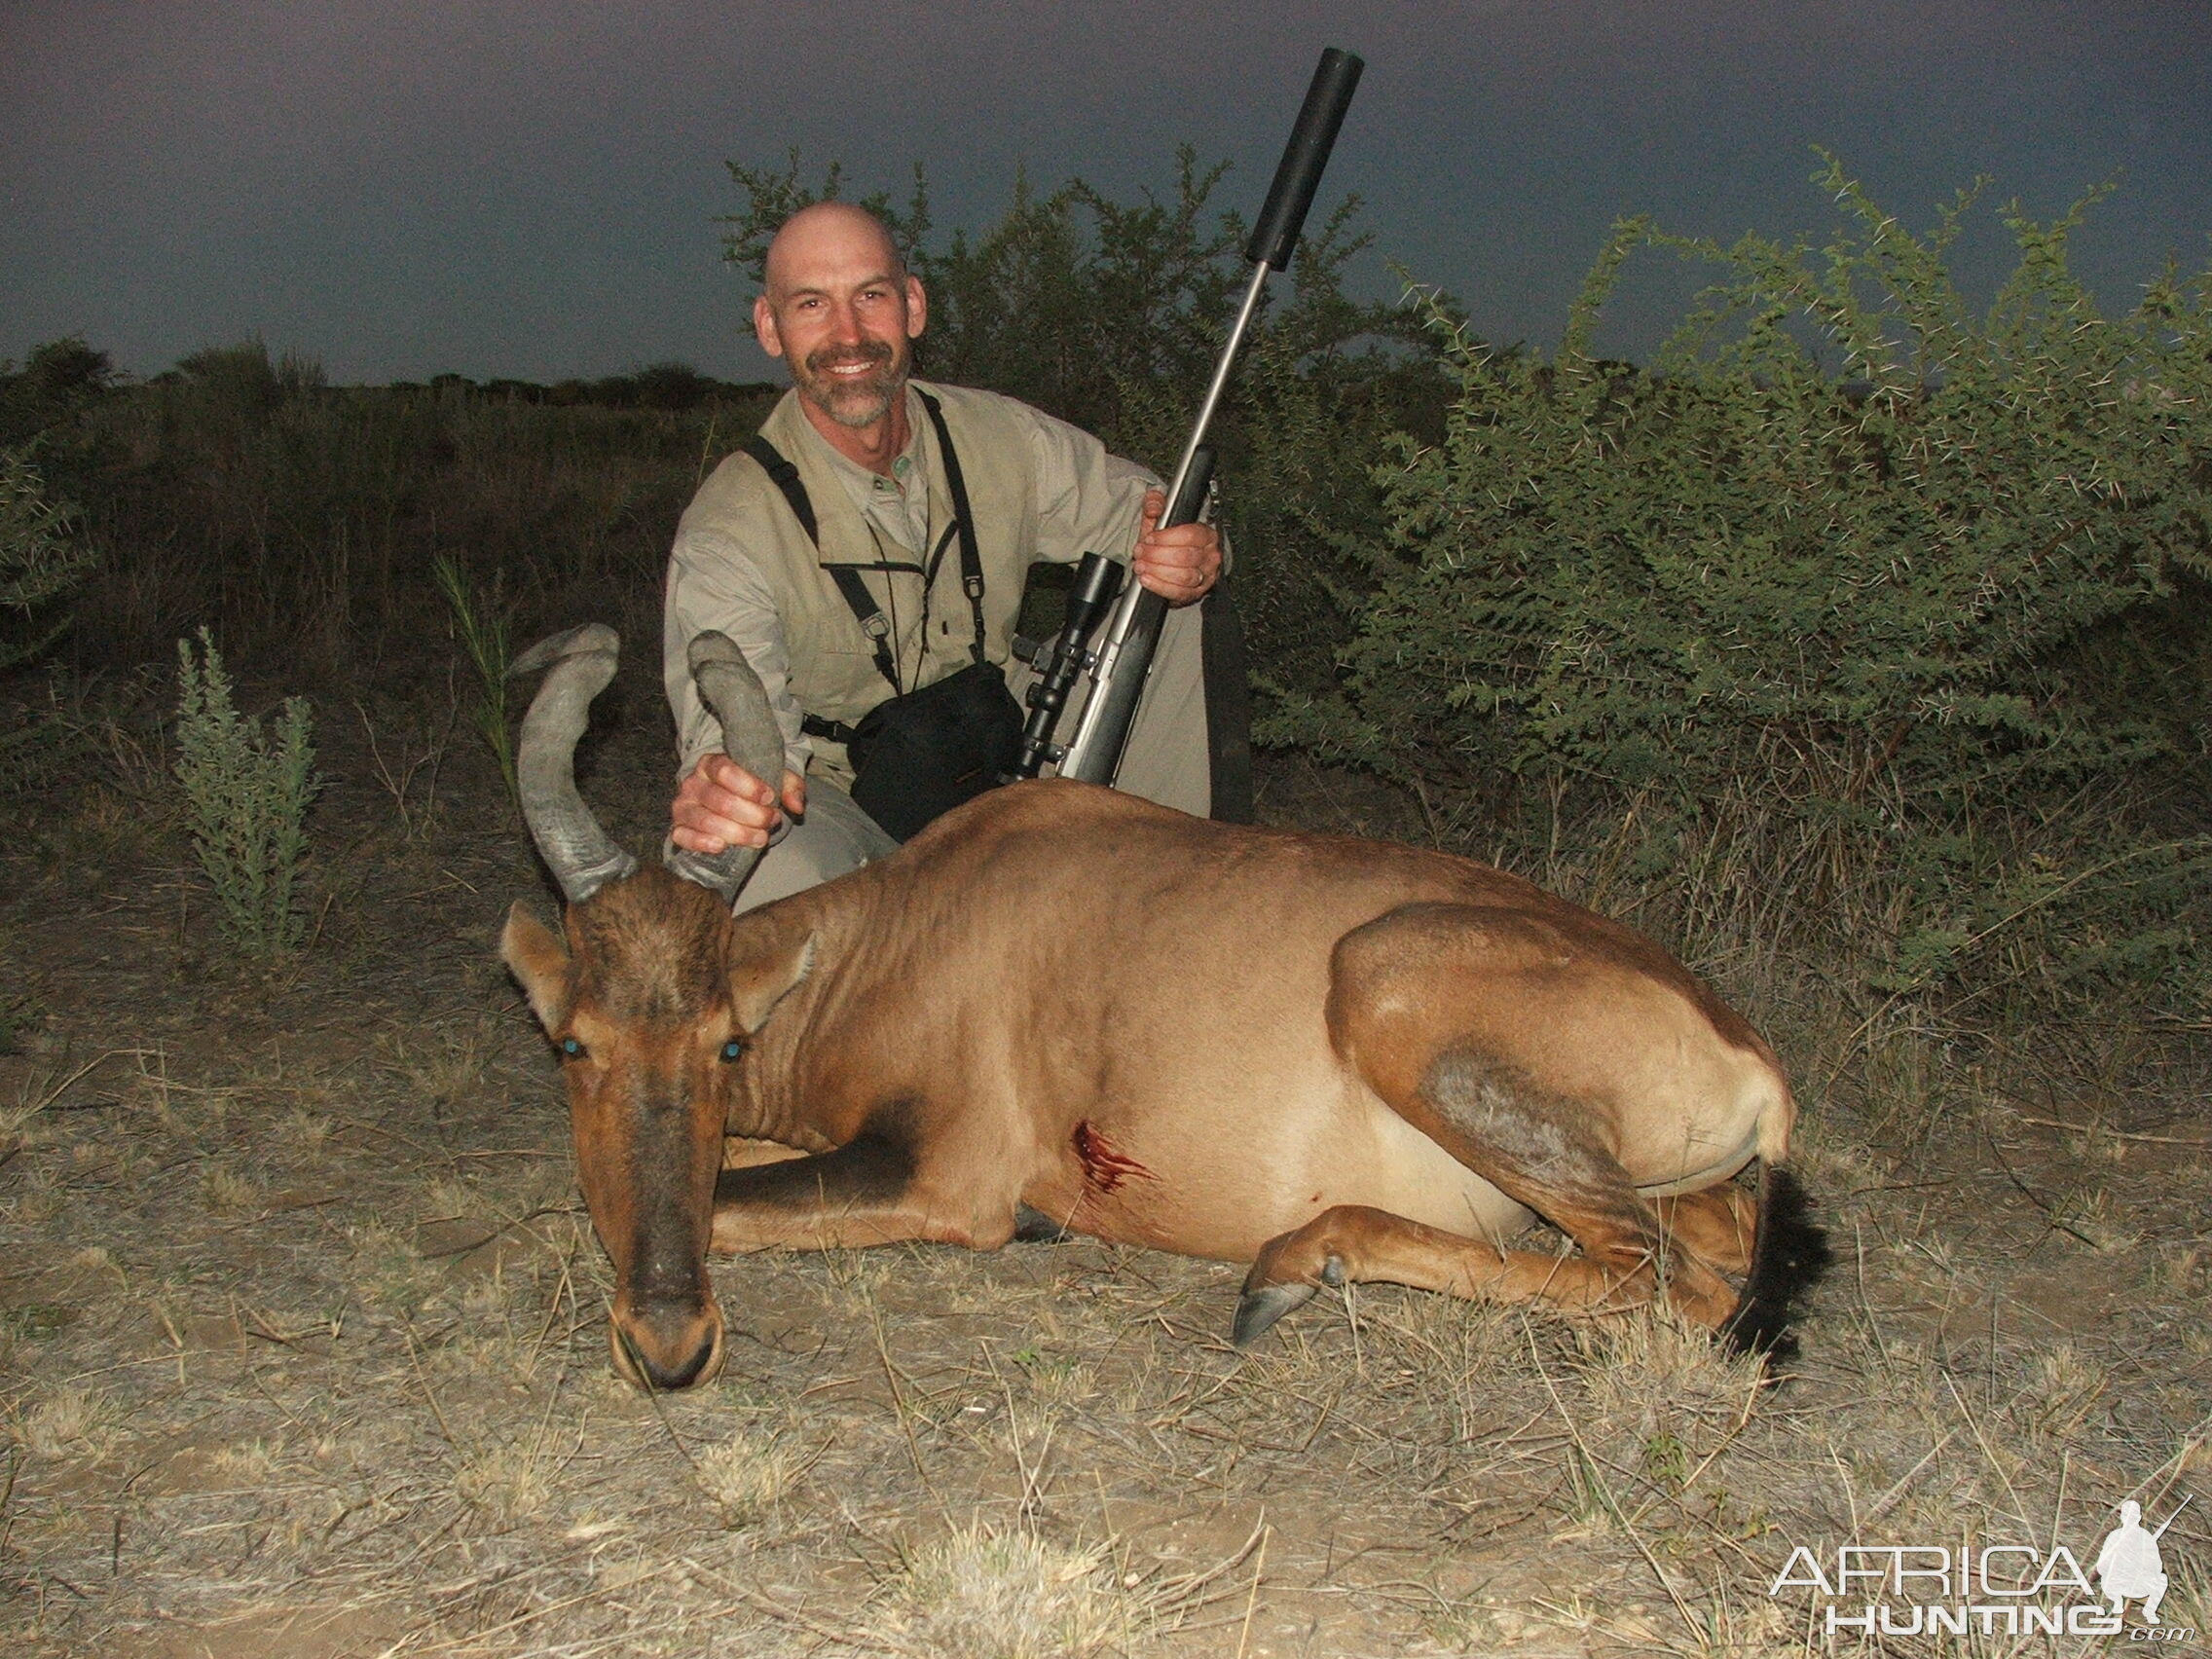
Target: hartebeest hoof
x=1262, y=1305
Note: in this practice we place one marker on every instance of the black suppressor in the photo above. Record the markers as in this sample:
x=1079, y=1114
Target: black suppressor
x=1299, y=173
x=1093, y=753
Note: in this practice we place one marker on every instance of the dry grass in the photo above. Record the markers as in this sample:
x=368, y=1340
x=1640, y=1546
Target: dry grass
x=303, y=1351
x=67, y=1422
x=226, y=1191
x=748, y=1474
x=986, y=1593
x=508, y=1483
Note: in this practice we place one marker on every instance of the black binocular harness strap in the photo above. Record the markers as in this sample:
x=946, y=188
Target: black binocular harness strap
x=870, y=615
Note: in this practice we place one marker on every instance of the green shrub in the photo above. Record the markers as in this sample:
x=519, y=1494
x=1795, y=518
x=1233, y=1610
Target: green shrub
x=1820, y=583
x=247, y=792
x=301, y=520
x=58, y=381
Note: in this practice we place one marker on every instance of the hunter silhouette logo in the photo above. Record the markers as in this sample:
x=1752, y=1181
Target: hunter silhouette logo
x=2128, y=1565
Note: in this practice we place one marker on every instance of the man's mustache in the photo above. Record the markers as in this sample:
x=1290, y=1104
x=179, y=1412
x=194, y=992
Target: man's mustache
x=842, y=356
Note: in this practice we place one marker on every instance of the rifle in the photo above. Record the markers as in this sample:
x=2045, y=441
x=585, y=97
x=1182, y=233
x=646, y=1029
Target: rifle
x=1116, y=667
x=2171, y=1519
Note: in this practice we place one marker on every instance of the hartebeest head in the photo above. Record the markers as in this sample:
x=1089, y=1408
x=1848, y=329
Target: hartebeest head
x=643, y=1003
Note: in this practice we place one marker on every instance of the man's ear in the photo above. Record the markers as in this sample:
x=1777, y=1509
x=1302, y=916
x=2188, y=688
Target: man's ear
x=757, y=983
x=917, y=308
x=764, y=326
x=536, y=957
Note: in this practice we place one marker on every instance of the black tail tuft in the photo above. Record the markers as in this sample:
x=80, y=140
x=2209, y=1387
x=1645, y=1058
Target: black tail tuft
x=1788, y=1255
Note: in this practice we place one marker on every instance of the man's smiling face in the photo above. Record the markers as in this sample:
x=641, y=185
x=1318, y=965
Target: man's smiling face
x=841, y=310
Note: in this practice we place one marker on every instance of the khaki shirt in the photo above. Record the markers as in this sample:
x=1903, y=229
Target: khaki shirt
x=1041, y=491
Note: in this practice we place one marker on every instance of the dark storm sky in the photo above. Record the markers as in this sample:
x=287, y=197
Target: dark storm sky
x=527, y=189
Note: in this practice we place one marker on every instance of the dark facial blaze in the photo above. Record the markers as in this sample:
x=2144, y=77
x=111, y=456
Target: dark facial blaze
x=652, y=1002
x=667, y=1124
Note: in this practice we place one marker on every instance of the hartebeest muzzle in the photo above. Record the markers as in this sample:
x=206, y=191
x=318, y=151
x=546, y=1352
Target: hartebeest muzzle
x=645, y=1036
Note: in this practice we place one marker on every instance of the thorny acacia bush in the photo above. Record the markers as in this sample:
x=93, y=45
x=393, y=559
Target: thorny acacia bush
x=1111, y=315
x=42, y=557
x=1895, y=630
x=1897, y=641
x=41, y=560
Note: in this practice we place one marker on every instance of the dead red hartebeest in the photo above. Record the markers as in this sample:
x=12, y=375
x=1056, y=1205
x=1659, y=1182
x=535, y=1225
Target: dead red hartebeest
x=1061, y=1008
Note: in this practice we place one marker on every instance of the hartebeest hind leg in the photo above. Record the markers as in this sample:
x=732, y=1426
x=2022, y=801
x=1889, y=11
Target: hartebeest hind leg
x=1523, y=1047
x=1355, y=1242
x=1717, y=1226
x=1542, y=1155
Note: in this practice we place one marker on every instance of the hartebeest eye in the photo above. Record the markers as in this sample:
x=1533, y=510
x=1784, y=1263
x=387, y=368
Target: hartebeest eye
x=734, y=1050
x=571, y=1050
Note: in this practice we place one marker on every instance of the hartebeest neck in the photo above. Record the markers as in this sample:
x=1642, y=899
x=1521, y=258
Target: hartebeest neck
x=788, y=1090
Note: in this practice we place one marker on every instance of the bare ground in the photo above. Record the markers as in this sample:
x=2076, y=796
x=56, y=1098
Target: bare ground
x=301, y=1330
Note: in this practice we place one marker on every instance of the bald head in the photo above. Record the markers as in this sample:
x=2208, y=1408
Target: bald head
x=831, y=234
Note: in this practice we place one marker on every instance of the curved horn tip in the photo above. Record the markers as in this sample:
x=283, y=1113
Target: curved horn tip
x=583, y=639
x=713, y=646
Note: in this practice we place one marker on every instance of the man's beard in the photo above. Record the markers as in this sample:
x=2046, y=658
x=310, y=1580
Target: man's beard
x=856, y=403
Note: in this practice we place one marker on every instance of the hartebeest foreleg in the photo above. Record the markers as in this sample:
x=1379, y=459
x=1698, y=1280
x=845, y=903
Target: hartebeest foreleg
x=864, y=1194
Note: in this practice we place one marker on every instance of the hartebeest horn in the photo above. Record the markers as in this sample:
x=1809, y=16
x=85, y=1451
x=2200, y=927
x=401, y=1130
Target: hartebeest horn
x=733, y=692
x=579, y=664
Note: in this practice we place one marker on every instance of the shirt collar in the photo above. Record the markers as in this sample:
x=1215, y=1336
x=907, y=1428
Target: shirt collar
x=898, y=505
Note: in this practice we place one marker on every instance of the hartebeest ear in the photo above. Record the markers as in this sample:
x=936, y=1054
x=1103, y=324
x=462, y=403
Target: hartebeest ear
x=757, y=983
x=536, y=957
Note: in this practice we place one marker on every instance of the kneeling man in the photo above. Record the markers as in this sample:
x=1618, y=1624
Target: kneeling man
x=875, y=541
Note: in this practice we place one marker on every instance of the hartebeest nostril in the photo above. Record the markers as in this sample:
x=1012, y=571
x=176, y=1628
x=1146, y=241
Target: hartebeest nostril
x=668, y=1349
x=699, y=1368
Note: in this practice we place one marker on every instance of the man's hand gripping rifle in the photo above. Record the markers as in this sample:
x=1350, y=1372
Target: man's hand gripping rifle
x=1116, y=666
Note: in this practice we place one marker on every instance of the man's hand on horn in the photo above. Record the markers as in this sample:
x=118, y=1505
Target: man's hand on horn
x=721, y=805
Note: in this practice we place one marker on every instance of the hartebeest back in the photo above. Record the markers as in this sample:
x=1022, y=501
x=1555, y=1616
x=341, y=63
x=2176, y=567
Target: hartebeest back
x=1064, y=1008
